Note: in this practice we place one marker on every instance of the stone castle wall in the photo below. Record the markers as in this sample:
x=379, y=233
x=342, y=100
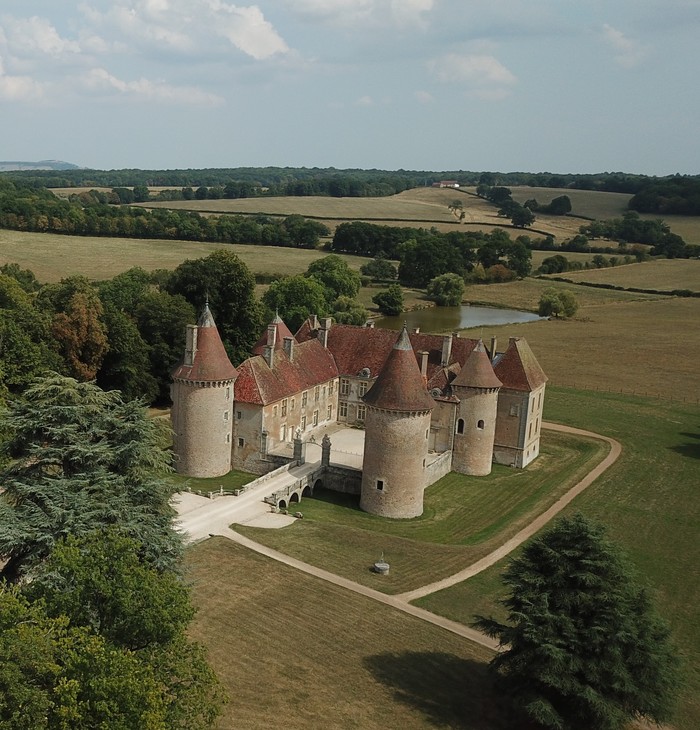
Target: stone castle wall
x=475, y=429
x=394, y=475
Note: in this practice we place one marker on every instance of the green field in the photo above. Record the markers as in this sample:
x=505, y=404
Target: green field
x=464, y=519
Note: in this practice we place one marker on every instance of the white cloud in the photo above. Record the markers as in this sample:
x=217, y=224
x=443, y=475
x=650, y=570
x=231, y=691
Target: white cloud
x=411, y=11
x=353, y=13
x=365, y=101
x=424, y=97
x=100, y=80
x=35, y=37
x=472, y=69
x=19, y=88
x=189, y=26
x=628, y=53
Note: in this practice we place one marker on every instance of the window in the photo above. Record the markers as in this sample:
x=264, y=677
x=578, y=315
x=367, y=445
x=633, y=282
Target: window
x=293, y=403
x=317, y=392
x=323, y=393
x=226, y=414
x=343, y=408
x=515, y=410
x=426, y=432
x=228, y=438
x=304, y=397
x=274, y=410
x=241, y=442
x=424, y=463
x=380, y=485
x=284, y=408
x=303, y=423
x=314, y=420
x=460, y=425
x=529, y=434
x=283, y=432
x=228, y=393
x=480, y=425
x=239, y=415
x=363, y=387
x=330, y=387
x=361, y=413
x=329, y=413
x=344, y=386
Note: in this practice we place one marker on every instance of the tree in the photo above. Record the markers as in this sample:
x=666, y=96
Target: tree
x=583, y=646
x=521, y=217
x=294, y=298
x=379, y=268
x=230, y=287
x=556, y=303
x=519, y=259
x=556, y=264
x=349, y=311
x=82, y=459
x=334, y=273
x=390, y=301
x=559, y=206
x=446, y=290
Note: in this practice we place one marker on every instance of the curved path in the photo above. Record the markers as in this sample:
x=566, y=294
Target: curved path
x=401, y=601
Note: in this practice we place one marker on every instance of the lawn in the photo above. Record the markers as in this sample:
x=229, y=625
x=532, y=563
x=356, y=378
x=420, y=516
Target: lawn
x=229, y=482
x=295, y=652
x=464, y=519
x=648, y=501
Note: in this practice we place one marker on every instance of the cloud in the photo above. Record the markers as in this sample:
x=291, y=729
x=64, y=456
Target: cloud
x=35, y=37
x=100, y=80
x=424, y=97
x=353, y=13
x=189, y=26
x=628, y=53
x=19, y=88
x=482, y=75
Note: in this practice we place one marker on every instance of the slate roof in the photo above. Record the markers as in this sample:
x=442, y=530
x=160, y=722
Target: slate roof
x=210, y=363
x=311, y=365
x=477, y=371
x=356, y=348
x=517, y=368
x=400, y=385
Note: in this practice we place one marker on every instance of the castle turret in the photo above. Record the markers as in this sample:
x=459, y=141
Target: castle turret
x=477, y=388
x=397, y=426
x=202, y=395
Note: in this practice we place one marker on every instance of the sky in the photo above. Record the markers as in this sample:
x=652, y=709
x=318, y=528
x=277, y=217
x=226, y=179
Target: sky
x=562, y=86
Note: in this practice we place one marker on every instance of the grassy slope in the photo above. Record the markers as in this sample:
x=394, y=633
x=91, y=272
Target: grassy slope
x=648, y=501
x=464, y=519
x=296, y=652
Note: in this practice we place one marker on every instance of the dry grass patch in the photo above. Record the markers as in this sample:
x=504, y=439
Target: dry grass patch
x=661, y=274
x=589, y=203
x=296, y=652
x=52, y=257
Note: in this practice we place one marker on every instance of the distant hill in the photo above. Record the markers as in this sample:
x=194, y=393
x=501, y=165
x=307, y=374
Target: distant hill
x=6, y=166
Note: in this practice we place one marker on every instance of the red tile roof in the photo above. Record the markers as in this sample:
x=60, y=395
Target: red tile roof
x=311, y=365
x=517, y=367
x=400, y=385
x=210, y=362
x=282, y=332
x=356, y=348
x=477, y=371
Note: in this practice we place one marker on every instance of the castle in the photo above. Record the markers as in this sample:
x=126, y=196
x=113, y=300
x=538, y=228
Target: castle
x=429, y=404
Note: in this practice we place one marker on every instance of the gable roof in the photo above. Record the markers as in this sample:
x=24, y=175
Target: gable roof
x=477, y=371
x=517, y=368
x=282, y=331
x=210, y=362
x=400, y=385
x=311, y=365
x=355, y=348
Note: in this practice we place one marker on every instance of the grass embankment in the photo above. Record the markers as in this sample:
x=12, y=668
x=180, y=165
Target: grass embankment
x=464, y=519
x=229, y=482
x=647, y=500
x=298, y=653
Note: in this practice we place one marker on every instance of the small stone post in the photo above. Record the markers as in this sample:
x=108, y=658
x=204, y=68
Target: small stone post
x=299, y=450
x=325, y=451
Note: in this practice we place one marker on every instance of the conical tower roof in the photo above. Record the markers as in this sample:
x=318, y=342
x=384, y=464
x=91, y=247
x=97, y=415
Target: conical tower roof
x=400, y=385
x=282, y=332
x=477, y=371
x=210, y=363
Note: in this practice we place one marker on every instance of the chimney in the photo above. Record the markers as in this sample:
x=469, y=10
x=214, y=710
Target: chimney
x=269, y=356
x=416, y=330
x=271, y=335
x=326, y=323
x=288, y=345
x=494, y=342
x=369, y=324
x=313, y=321
x=190, y=344
x=424, y=364
x=446, y=350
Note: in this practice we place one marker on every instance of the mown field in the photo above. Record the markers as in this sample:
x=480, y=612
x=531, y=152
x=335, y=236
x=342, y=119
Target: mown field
x=295, y=652
x=464, y=519
x=661, y=275
x=52, y=257
x=648, y=502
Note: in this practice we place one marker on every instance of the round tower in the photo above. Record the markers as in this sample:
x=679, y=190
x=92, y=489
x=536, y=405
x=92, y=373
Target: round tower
x=202, y=395
x=477, y=388
x=397, y=426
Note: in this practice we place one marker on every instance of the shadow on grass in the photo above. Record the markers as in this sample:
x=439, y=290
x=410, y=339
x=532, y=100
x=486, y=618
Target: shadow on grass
x=342, y=499
x=449, y=691
x=691, y=449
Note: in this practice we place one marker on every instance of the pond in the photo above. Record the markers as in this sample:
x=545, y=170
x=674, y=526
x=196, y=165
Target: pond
x=450, y=319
